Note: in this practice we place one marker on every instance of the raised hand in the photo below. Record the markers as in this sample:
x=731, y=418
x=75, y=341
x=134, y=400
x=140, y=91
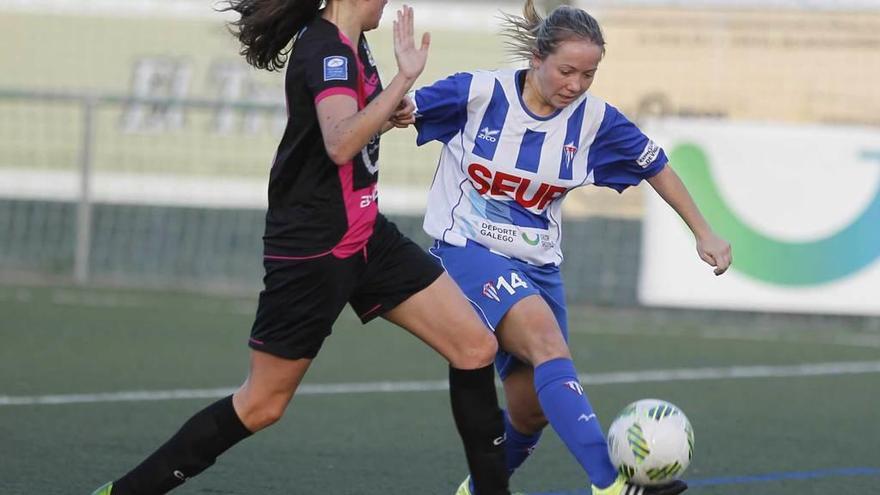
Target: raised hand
x=410, y=60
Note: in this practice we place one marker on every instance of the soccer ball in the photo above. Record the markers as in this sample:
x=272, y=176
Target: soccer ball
x=651, y=442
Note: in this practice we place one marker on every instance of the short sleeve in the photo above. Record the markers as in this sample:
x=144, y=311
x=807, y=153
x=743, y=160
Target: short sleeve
x=621, y=156
x=331, y=69
x=441, y=108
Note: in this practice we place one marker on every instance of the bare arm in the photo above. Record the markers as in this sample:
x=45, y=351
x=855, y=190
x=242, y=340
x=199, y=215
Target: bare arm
x=712, y=249
x=345, y=129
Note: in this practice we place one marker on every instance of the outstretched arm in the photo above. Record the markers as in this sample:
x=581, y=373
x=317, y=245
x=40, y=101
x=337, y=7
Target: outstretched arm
x=345, y=129
x=712, y=249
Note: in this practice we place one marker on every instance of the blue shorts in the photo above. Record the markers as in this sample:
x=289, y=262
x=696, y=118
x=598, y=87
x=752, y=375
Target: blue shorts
x=494, y=283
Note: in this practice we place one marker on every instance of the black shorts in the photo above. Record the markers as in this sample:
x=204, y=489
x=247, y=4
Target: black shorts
x=303, y=298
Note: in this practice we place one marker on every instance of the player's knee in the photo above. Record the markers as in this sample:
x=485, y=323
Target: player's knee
x=478, y=351
x=545, y=346
x=268, y=415
x=257, y=415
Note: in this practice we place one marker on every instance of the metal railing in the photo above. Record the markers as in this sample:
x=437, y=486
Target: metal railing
x=90, y=103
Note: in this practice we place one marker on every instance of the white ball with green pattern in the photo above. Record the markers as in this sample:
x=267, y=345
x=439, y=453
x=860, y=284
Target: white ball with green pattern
x=651, y=442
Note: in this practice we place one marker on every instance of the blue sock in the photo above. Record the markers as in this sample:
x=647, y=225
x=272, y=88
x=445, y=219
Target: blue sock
x=518, y=446
x=571, y=415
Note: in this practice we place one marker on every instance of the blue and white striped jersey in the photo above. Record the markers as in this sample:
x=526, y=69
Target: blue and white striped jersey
x=504, y=171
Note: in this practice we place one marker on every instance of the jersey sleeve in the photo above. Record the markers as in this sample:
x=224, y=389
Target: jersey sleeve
x=441, y=108
x=621, y=156
x=331, y=69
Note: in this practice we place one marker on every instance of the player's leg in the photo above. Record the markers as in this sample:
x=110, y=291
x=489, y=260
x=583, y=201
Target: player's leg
x=530, y=331
x=492, y=284
x=524, y=419
x=440, y=316
x=496, y=285
x=406, y=286
x=259, y=402
x=295, y=313
x=271, y=383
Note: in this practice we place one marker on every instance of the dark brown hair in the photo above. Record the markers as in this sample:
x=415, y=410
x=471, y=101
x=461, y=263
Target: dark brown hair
x=266, y=28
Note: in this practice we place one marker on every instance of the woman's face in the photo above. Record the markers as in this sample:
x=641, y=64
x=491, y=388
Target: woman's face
x=372, y=13
x=564, y=75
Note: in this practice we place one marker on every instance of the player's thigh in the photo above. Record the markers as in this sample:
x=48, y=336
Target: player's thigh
x=530, y=331
x=440, y=316
x=406, y=286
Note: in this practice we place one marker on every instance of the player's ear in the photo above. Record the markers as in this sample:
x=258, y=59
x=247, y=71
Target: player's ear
x=534, y=61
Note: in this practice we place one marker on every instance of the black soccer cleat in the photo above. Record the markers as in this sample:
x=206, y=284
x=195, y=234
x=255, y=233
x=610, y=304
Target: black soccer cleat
x=671, y=488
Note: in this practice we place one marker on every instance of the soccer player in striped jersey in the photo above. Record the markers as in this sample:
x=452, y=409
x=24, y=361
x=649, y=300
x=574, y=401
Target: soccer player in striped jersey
x=515, y=142
x=326, y=244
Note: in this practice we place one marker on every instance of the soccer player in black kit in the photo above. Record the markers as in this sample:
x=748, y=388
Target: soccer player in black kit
x=326, y=244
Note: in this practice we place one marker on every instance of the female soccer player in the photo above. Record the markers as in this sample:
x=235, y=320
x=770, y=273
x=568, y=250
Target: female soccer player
x=515, y=142
x=326, y=244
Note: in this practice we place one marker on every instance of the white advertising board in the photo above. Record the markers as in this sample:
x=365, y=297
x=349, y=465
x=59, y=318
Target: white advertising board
x=800, y=205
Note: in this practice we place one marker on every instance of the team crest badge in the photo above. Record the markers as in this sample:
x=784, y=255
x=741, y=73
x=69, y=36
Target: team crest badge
x=490, y=292
x=335, y=68
x=568, y=152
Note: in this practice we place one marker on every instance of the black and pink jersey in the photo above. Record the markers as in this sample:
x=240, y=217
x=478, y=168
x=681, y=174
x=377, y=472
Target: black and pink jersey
x=315, y=206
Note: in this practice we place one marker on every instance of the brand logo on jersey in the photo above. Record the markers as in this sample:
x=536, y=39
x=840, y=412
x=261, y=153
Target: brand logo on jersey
x=575, y=387
x=335, y=68
x=649, y=154
x=520, y=189
x=368, y=199
x=490, y=291
x=530, y=242
x=488, y=134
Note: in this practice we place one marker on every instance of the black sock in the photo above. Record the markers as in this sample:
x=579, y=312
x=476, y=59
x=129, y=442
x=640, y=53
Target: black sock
x=480, y=423
x=191, y=450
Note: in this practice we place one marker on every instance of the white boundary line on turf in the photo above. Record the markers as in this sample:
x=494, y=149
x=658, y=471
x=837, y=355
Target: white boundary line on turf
x=755, y=334
x=688, y=374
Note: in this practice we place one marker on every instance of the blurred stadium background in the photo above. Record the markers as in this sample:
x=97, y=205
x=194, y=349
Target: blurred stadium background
x=134, y=150
x=135, y=142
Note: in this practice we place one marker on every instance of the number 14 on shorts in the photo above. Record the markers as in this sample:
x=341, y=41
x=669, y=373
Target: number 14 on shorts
x=508, y=284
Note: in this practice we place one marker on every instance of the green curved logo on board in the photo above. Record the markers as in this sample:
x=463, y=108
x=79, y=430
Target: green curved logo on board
x=764, y=258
